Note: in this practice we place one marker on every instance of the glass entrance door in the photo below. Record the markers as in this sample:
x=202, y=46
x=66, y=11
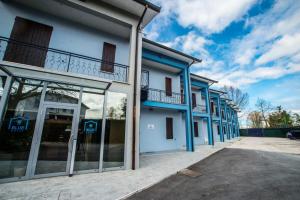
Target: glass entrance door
x=56, y=134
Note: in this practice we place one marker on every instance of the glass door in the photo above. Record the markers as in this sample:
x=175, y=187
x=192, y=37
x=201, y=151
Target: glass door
x=56, y=138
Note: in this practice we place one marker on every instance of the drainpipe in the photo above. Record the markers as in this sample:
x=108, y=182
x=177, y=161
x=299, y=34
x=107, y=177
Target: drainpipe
x=138, y=29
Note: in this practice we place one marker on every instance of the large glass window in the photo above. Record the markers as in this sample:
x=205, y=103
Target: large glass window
x=62, y=93
x=114, y=141
x=2, y=84
x=18, y=126
x=89, y=131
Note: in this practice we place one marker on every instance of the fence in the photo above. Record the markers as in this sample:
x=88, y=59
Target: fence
x=270, y=132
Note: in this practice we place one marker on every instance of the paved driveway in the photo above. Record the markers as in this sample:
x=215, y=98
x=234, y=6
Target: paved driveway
x=253, y=168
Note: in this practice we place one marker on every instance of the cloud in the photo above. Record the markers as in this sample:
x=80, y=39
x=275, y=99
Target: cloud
x=211, y=16
x=286, y=46
x=278, y=26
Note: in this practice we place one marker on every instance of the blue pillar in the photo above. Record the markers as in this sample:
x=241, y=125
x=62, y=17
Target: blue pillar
x=220, y=119
x=188, y=116
x=209, y=123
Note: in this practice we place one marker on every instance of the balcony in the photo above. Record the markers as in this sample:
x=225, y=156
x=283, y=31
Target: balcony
x=200, y=108
x=157, y=95
x=62, y=61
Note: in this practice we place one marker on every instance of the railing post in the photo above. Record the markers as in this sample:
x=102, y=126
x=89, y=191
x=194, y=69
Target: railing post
x=69, y=60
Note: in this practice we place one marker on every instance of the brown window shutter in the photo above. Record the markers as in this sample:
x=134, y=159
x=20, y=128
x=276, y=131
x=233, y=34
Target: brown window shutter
x=27, y=31
x=212, y=109
x=108, y=57
x=196, y=130
x=194, y=103
x=168, y=84
x=169, y=127
x=182, y=96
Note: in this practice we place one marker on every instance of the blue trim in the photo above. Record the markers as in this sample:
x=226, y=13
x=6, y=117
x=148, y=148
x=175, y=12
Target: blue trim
x=209, y=122
x=165, y=105
x=197, y=114
x=188, y=117
x=163, y=59
x=199, y=84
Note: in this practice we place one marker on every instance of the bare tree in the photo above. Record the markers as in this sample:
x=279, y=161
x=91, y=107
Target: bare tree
x=264, y=107
x=255, y=119
x=241, y=99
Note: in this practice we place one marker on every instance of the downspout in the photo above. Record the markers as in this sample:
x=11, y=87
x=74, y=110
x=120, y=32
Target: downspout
x=138, y=29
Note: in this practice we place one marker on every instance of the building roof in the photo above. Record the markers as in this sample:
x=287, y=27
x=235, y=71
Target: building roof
x=136, y=7
x=217, y=91
x=159, y=48
x=202, y=78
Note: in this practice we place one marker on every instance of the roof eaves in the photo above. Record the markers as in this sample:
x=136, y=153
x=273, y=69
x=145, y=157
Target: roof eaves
x=197, y=60
x=150, y=5
x=202, y=77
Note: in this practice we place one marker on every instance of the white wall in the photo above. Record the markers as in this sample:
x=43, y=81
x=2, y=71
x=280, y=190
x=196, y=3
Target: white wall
x=215, y=132
x=66, y=35
x=153, y=130
x=203, y=132
x=199, y=99
x=157, y=79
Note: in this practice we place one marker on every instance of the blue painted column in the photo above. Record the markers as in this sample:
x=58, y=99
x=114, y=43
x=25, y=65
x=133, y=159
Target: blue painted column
x=220, y=119
x=209, y=122
x=189, y=115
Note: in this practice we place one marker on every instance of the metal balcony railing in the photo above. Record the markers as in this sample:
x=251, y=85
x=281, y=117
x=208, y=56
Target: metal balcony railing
x=62, y=61
x=157, y=95
x=200, y=108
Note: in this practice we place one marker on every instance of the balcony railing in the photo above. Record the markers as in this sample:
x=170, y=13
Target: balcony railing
x=151, y=94
x=59, y=60
x=200, y=109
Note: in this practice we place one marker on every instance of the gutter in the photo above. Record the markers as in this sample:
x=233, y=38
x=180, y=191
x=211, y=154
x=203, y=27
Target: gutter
x=138, y=29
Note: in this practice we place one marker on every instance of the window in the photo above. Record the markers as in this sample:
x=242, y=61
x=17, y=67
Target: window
x=194, y=103
x=169, y=127
x=196, y=130
x=108, y=57
x=168, y=84
x=212, y=109
x=29, y=32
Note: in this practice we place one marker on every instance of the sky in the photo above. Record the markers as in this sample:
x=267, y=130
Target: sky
x=250, y=44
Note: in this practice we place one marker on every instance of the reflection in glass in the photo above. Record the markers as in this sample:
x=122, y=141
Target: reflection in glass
x=54, y=146
x=115, y=130
x=18, y=127
x=2, y=84
x=62, y=93
x=89, y=132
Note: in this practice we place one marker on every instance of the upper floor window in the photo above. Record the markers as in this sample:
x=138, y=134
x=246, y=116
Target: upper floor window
x=108, y=57
x=29, y=32
x=168, y=85
x=194, y=102
x=212, y=107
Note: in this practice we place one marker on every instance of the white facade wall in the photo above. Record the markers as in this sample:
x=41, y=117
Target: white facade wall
x=153, y=130
x=80, y=39
x=203, y=132
x=215, y=132
x=66, y=35
x=199, y=99
x=157, y=79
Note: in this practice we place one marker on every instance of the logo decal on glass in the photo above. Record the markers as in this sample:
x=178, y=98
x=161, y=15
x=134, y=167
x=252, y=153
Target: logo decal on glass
x=18, y=124
x=90, y=127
